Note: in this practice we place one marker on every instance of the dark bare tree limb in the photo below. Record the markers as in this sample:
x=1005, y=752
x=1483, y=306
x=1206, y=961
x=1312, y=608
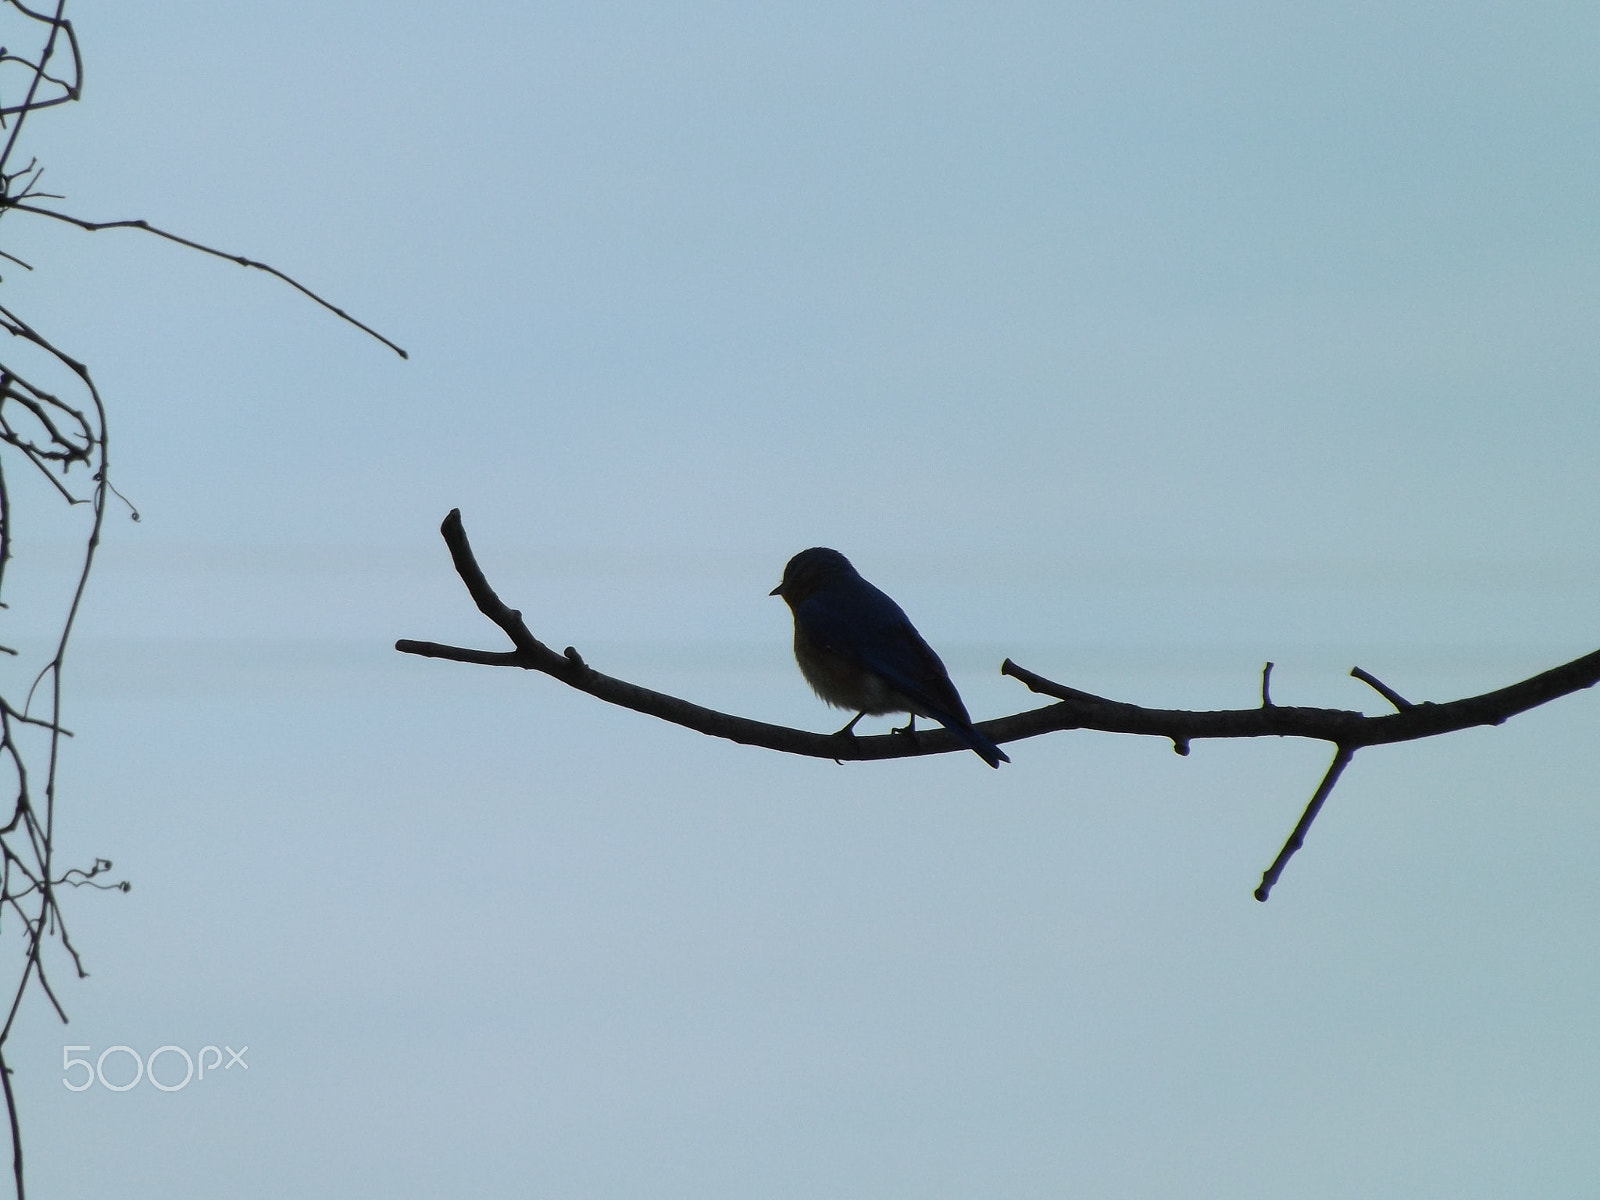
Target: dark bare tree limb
x=241, y=260
x=1388, y=693
x=1341, y=760
x=64, y=437
x=1081, y=710
x=1347, y=730
x=533, y=655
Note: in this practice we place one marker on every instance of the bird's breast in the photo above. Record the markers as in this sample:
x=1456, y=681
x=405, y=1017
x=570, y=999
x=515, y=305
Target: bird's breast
x=842, y=682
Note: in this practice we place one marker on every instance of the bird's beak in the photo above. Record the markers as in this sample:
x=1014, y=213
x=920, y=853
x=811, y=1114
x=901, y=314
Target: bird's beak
x=777, y=591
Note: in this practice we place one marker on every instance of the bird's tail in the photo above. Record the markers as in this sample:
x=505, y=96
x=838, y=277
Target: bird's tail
x=981, y=745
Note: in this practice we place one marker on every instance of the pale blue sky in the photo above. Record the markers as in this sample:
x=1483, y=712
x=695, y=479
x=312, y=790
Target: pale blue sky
x=1140, y=342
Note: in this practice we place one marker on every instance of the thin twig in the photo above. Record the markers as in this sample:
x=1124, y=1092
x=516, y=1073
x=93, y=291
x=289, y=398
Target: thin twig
x=31, y=101
x=1400, y=703
x=241, y=260
x=11, y=1115
x=1341, y=759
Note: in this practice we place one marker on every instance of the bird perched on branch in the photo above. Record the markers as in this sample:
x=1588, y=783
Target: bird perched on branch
x=858, y=650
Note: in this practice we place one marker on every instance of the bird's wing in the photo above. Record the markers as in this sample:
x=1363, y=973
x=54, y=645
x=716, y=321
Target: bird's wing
x=864, y=625
x=870, y=629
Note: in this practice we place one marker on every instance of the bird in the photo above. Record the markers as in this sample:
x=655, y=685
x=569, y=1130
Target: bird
x=857, y=649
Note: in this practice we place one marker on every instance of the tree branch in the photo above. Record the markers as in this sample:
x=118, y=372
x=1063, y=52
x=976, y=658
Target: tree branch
x=1341, y=759
x=1081, y=710
x=1349, y=731
x=241, y=260
x=533, y=655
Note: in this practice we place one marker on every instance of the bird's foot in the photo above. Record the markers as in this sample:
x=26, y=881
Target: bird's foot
x=849, y=730
x=909, y=727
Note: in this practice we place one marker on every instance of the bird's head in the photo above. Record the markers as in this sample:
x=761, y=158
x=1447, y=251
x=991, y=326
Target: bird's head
x=809, y=570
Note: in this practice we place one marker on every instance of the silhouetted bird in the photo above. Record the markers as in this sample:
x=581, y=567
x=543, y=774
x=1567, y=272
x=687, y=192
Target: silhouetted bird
x=857, y=650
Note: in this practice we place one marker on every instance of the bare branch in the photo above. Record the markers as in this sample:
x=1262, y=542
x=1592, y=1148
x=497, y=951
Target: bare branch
x=1388, y=693
x=1076, y=710
x=56, y=437
x=1080, y=710
x=1341, y=759
x=1349, y=731
x=16, y=1128
x=32, y=101
x=241, y=260
x=533, y=655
